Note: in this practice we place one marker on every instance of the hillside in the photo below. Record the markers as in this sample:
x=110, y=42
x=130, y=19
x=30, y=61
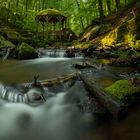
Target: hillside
x=119, y=29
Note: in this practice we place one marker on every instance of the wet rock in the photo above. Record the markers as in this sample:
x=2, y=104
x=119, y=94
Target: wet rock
x=90, y=105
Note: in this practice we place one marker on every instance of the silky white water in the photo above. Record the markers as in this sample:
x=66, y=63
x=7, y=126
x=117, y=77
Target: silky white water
x=59, y=118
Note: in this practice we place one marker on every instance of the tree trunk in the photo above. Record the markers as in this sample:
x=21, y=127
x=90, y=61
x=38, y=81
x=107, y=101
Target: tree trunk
x=108, y=6
x=81, y=20
x=26, y=7
x=117, y=4
x=101, y=9
x=17, y=3
x=43, y=4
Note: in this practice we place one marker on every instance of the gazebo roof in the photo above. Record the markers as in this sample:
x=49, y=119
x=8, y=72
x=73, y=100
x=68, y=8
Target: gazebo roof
x=53, y=16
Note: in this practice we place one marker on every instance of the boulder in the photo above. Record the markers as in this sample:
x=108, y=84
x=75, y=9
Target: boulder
x=25, y=51
x=4, y=44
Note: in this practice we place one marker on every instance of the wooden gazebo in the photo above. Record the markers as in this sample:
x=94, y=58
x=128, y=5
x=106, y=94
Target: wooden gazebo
x=52, y=22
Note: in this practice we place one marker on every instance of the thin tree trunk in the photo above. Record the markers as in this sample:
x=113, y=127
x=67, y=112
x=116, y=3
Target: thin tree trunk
x=117, y=4
x=81, y=19
x=43, y=4
x=26, y=7
x=17, y=3
x=101, y=9
x=108, y=6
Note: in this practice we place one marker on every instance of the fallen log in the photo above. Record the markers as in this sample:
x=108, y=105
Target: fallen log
x=117, y=109
x=57, y=80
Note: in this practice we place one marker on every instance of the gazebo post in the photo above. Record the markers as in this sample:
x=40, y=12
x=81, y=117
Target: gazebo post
x=47, y=27
x=65, y=24
x=60, y=27
x=43, y=28
x=36, y=22
x=54, y=32
x=62, y=24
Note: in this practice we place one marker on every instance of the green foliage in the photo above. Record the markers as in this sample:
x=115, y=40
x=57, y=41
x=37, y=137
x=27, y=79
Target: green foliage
x=81, y=13
x=124, y=91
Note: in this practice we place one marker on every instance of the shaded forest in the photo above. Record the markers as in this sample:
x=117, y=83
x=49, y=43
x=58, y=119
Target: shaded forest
x=80, y=13
x=83, y=57
x=89, y=23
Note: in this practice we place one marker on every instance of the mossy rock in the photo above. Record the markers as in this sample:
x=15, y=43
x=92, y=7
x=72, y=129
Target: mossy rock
x=5, y=43
x=12, y=35
x=124, y=91
x=25, y=51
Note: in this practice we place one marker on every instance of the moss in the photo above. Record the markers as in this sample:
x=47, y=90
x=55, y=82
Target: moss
x=5, y=43
x=49, y=12
x=83, y=45
x=124, y=91
x=11, y=34
x=25, y=51
x=110, y=39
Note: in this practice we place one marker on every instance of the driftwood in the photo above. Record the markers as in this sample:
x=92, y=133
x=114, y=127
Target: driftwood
x=117, y=109
x=7, y=54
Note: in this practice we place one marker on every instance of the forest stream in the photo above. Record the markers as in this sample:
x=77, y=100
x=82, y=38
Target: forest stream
x=59, y=118
x=70, y=70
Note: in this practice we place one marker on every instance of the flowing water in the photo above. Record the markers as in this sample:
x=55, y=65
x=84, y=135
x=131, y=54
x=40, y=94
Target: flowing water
x=68, y=113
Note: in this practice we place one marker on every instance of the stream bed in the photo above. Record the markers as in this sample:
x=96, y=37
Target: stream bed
x=59, y=118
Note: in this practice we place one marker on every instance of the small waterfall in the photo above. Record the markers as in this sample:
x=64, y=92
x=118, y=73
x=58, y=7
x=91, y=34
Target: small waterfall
x=12, y=94
x=51, y=53
x=58, y=53
x=57, y=119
